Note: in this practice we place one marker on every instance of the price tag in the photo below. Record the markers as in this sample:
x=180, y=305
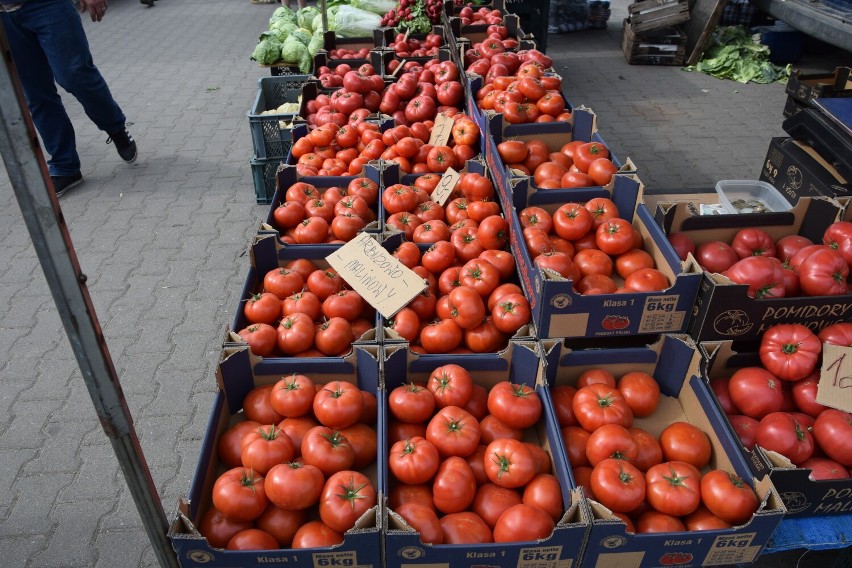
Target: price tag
x=445, y=187
x=383, y=281
x=835, y=378
x=441, y=131
x=398, y=68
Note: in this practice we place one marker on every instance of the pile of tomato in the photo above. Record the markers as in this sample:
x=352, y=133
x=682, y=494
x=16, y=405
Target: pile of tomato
x=413, y=47
x=653, y=484
x=792, y=266
x=465, y=463
x=576, y=164
x=775, y=407
x=483, y=15
x=310, y=215
x=305, y=311
x=409, y=147
x=590, y=244
x=296, y=461
x=345, y=53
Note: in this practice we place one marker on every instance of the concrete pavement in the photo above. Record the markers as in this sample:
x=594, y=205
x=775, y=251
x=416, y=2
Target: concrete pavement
x=163, y=244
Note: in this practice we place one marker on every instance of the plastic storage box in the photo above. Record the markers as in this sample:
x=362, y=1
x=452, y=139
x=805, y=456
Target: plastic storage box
x=750, y=196
x=270, y=134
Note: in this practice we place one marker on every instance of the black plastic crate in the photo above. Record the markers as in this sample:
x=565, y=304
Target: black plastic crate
x=271, y=138
x=263, y=174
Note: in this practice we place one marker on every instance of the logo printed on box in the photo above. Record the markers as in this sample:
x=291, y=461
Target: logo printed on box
x=795, y=501
x=732, y=323
x=614, y=541
x=199, y=556
x=672, y=558
x=411, y=552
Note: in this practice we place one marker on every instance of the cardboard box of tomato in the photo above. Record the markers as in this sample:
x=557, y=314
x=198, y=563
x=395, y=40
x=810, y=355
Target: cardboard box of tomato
x=520, y=364
x=286, y=177
x=802, y=496
x=723, y=309
x=518, y=189
x=559, y=310
x=238, y=372
x=268, y=253
x=674, y=362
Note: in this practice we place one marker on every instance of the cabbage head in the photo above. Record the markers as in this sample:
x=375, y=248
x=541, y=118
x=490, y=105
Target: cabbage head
x=354, y=22
x=305, y=16
x=267, y=52
x=284, y=26
x=302, y=35
x=317, y=24
x=292, y=50
x=306, y=63
x=316, y=43
x=282, y=13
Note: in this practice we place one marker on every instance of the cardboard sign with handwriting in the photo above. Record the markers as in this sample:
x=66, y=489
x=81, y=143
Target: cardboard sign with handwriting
x=835, y=378
x=382, y=280
x=445, y=187
x=398, y=68
x=441, y=131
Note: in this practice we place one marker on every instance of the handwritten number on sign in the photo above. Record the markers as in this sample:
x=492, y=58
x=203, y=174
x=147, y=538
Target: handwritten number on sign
x=842, y=382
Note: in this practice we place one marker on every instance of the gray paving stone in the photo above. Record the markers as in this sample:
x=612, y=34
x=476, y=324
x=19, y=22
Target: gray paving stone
x=18, y=550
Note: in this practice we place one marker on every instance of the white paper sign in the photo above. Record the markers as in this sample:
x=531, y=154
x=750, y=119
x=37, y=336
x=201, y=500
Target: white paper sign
x=382, y=280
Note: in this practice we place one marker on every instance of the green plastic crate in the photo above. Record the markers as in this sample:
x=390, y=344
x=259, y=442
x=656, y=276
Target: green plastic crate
x=270, y=140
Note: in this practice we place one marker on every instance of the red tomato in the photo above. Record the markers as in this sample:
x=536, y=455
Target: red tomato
x=508, y=463
x=822, y=468
x=563, y=397
x=423, y=520
x=634, y=259
x=681, y=441
x=218, y=529
x=523, y=523
x=465, y=528
x=492, y=500
x=596, y=376
x=745, y=428
x=571, y=221
x=454, y=431
x=596, y=405
x=781, y=432
x=728, y=497
x=682, y=244
x=837, y=334
x=755, y=391
x=640, y=391
x=414, y=460
x=294, y=486
x=261, y=338
x=574, y=439
x=646, y=280
x=656, y=522
x=516, y=405
x=716, y=256
x=451, y=385
x=790, y=351
x=345, y=497
x=703, y=520
x=454, y=486
x=832, y=431
x=763, y=276
x=611, y=441
x=239, y=494
x=252, y=539
x=649, y=451
x=338, y=405
x=263, y=308
x=585, y=154
x=673, y=488
x=618, y=485
x=316, y=534
x=327, y=449
x=441, y=336
x=411, y=403
x=544, y=492
x=266, y=447
x=753, y=242
x=257, y=406
x=824, y=273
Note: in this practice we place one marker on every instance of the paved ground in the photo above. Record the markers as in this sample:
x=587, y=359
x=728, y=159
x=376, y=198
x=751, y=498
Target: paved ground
x=163, y=240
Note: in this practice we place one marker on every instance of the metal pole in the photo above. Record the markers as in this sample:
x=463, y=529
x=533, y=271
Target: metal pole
x=27, y=171
x=324, y=12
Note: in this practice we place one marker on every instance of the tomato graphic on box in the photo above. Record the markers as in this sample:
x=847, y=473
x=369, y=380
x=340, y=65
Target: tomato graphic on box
x=613, y=322
x=671, y=558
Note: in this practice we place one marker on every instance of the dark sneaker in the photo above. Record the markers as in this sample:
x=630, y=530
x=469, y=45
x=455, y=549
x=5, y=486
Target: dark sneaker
x=61, y=184
x=124, y=144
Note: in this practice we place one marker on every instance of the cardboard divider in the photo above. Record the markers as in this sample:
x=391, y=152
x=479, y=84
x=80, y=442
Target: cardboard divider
x=237, y=373
x=802, y=496
x=675, y=363
x=521, y=364
x=558, y=310
x=268, y=253
x=723, y=309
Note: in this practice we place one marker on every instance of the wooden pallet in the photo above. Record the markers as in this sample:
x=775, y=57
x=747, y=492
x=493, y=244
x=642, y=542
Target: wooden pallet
x=662, y=46
x=654, y=14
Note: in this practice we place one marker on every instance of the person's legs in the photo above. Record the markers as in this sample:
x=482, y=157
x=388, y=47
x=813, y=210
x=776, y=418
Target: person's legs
x=49, y=115
x=63, y=39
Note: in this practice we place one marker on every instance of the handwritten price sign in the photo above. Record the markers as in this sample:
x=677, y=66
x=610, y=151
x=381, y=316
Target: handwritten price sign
x=835, y=379
x=441, y=131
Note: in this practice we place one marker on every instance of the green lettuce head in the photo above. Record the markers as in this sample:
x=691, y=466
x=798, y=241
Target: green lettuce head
x=292, y=50
x=305, y=16
x=267, y=52
x=282, y=13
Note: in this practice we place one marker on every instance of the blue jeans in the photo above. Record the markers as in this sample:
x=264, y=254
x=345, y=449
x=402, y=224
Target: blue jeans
x=49, y=46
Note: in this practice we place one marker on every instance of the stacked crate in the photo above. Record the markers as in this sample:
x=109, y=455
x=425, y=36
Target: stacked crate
x=652, y=33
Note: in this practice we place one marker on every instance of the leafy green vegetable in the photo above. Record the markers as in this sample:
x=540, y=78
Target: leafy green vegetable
x=267, y=52
x=302, y=35
x=316, y=25
x=380, y=7
x=305, y=16
x=282, y=13
x=733, y=54
x=292, y=50
x=419, y=22
x=316, y=43
x=354, y=22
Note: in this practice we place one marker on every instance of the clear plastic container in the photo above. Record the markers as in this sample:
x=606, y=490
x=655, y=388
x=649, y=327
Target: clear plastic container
x=750, y=196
